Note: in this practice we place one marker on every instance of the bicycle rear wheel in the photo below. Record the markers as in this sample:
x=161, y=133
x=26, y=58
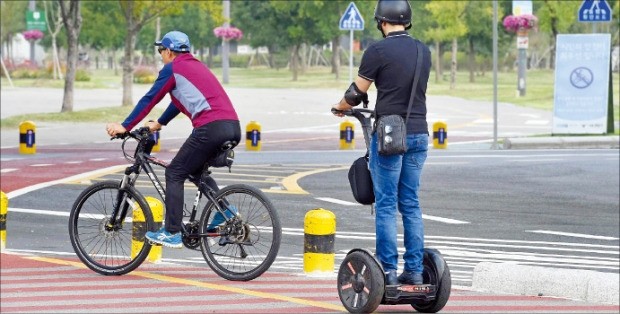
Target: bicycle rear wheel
x=106, y=249
x=250, y=242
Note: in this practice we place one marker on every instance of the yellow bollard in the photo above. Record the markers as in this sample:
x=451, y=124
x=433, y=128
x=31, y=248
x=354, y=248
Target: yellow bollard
x=347, y=135
x=27, y=144
x=440, y=134
x=319, y=239
x=139, y=229
x=252, y=136
x=155, y=137
x=4, y=209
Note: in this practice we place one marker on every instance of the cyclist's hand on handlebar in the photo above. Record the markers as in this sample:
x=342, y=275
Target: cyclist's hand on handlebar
x=153, y=125
x=115, y=129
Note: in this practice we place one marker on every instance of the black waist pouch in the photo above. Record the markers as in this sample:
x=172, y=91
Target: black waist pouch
x=361, y=182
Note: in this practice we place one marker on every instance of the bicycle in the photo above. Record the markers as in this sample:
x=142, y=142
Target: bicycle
x=238, y=233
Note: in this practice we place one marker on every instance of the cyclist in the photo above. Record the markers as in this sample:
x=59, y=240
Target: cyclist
x=390, y=64
x=197, y=93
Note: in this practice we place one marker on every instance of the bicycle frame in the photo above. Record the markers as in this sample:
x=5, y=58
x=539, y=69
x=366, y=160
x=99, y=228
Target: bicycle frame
x=143, y=161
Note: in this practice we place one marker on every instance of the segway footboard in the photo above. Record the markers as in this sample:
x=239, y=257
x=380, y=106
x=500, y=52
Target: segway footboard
x=407, y=294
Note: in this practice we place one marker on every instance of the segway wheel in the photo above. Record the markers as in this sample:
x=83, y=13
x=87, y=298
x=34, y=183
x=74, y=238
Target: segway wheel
x=361, y=283
x=444, y=286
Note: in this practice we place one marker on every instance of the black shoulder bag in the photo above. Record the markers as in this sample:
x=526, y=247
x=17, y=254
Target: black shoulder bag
x=392, y=129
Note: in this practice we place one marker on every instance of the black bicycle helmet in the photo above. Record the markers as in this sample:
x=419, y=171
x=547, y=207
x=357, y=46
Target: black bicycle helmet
x=393, y=12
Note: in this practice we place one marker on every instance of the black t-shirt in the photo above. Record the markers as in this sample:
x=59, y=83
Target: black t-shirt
x=390, y=64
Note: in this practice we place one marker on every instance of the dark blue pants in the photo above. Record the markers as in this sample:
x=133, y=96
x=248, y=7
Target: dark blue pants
x=203, y=144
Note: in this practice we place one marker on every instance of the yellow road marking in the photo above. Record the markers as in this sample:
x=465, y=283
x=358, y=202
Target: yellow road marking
x=290, y=182
x=195, y=283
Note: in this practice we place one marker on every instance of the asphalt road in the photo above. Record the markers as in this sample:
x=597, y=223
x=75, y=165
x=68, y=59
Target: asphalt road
x=555, y=208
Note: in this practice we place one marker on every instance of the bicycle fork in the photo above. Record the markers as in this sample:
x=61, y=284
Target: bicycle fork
x=119, y=212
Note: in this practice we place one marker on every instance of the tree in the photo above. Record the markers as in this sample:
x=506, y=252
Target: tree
x=11, y=22
x=556, y=17
x=299, y=19
x=99, y=16
x=137, y=14
x=451, y=25
x=478, y=17
x=198, y=22
x=53, y=19
x=72, y=19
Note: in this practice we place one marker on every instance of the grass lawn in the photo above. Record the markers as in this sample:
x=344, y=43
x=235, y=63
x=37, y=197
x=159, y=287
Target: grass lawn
x=539, y=88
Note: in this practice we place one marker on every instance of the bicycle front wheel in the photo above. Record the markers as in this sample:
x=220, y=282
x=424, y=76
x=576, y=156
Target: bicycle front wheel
x=248, y=242
x=105, y=247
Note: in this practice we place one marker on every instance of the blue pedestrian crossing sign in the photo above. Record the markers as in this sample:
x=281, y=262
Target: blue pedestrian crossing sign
x=351, y=19
x=594, y=11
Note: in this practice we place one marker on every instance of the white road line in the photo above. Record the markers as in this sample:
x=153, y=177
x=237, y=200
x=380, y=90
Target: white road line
x=337, y=201
x=78, y=177
x=73, y=162
x=41, y=165
x=8, y=170
x=98, y=159
x=424, y=216
x=444, y=220
x=576, y=235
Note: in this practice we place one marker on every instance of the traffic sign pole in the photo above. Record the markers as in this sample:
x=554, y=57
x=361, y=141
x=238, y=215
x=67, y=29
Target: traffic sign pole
x=351, y=56
x=351, y=20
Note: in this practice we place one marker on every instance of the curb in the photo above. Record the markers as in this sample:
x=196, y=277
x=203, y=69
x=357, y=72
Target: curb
x=562, y=142
x=586, y=285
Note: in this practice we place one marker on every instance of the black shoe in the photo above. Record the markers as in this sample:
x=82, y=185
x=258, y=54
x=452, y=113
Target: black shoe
x=390, y=278
x=411, y=278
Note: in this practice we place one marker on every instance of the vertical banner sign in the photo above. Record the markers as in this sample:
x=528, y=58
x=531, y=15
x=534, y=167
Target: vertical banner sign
x=581, y=84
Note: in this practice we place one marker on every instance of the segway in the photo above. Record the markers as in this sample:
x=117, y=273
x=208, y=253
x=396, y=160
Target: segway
x=361, y=278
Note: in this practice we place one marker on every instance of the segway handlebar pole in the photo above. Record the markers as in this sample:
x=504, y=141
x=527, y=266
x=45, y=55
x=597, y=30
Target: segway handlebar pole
x=364, y=115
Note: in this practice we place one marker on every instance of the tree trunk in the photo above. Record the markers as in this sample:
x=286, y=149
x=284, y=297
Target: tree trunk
x=453, y=64
x=472, y=61
x=72, y=19
x=336, y=56
x=294, y=57
x=438, y=62
x=130, y=44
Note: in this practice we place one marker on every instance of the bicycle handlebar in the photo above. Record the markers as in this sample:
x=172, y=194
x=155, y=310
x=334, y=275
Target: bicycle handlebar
x=138, y=134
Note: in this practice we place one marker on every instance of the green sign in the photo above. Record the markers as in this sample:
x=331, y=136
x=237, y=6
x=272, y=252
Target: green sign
x=35, y=20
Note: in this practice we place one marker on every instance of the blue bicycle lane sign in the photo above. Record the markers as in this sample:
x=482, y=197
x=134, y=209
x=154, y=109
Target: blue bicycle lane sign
x=351, y=19
x=594, y=11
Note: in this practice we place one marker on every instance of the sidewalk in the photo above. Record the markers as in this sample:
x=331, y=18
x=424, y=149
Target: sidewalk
x=297, y=111
x=43, y=284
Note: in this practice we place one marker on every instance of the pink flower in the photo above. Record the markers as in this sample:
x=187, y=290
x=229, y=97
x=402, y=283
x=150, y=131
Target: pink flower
x=228, y=33
x=514, y=23
x=34, y=34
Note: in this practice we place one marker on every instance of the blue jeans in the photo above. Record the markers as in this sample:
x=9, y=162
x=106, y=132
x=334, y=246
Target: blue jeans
x=396, y=181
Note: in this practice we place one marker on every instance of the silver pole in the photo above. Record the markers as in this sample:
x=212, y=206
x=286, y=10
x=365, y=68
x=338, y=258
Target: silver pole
x=32, y=6
x=494, y=74
x=351, y=56
x=225, y=44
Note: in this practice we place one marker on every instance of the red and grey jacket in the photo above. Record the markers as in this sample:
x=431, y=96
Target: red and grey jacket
x=194, y=90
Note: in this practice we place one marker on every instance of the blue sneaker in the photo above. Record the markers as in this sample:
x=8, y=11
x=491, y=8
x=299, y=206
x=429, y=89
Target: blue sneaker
x=411, y=278
x=219, y=219
x=165, y=238
x=390, y=278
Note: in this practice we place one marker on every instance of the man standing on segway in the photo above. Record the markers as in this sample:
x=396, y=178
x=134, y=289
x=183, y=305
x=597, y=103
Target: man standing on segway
x=391, y=64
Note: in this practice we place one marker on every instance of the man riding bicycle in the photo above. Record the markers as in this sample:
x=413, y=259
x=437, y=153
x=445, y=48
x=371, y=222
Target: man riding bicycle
x=197, y=93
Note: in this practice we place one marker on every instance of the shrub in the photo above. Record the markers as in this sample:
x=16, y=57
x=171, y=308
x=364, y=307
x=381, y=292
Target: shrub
x=144, y=75
x=82, y=75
